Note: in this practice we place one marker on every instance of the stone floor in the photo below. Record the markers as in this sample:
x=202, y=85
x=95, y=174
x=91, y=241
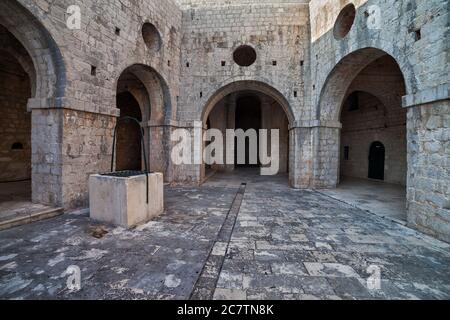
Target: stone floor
x=16, y=207
x=271, y=242
x=384, y=199
x=14, y=196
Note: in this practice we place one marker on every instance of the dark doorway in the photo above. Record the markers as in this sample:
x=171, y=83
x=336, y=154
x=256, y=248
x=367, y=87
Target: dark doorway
x=129, y=154
x=376, y=161
x=208, y=126
x=248, y=116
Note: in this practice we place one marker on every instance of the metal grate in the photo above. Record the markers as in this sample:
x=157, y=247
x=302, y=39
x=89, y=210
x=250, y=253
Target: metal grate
x=124, y=174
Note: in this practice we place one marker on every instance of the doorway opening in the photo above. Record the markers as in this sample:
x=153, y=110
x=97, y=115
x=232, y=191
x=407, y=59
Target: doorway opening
x=248, y=117
x=376, y=161
x=15, y=125
x=373, y=148
x=129, y=147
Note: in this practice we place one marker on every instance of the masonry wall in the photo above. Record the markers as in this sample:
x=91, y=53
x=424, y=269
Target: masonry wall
x=429, y=169
x=273, y=117
x=15, y=120
x=277, y=30
x=88, y=97
x=380, y=117
x=210, y=35
x=365, y=126
x=415, y=34
x=222, y=117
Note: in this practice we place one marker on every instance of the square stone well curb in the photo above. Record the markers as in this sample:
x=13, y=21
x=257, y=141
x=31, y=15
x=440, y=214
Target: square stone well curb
x=122, y=200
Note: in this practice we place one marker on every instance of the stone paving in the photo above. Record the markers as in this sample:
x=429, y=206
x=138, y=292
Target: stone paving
x=282, y=244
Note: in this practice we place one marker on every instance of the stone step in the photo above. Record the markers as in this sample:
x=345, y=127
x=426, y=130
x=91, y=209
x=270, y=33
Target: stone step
x=22, y=219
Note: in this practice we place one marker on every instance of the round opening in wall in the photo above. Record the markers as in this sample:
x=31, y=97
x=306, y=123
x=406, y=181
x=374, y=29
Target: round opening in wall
x=151, y=36
x=344, y=21
x=244, y=56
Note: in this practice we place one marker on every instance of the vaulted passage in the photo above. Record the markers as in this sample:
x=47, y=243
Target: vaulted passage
x=373, y=141
x=251, y=111
x=129, y=149
x=15, y=121
x=248, y=116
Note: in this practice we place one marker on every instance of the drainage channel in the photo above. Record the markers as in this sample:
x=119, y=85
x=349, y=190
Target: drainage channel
x=207, y=281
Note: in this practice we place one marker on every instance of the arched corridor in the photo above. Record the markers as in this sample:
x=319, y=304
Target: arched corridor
x=373, y=146
x=251, y=111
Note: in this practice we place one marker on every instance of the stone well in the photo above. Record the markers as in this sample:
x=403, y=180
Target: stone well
x=126, y=198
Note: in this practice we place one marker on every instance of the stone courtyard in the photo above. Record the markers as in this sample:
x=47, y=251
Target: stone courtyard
x=279, y=244
x=350, y=98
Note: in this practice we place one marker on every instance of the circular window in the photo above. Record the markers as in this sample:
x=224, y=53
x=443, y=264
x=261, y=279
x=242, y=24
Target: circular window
x=151, y=36
x=344, y=21
x=244, y=56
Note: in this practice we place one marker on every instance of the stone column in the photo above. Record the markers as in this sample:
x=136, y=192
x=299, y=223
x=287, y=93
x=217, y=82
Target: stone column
x=316, y=154
x=46, y=159
x=159, y=147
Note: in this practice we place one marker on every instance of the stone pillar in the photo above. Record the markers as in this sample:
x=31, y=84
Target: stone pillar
x=231, y=124
x=46, y=158
x=316, y=153
x=300, y=157
x=68, y=145
x=428, y=183
x=194, y=172
x=159, y=147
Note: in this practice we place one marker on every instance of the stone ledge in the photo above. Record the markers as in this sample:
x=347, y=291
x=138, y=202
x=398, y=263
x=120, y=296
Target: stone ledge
x=70, y=104
x=19, y=220
x=316, y=124
x=429, y=95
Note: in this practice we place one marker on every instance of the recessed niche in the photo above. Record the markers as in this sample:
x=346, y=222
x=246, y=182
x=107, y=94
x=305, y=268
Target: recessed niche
x=17, y=146
x=344, y=21
x=417, y=35
x=151, y=37
x=244, y=56
x=93, y=70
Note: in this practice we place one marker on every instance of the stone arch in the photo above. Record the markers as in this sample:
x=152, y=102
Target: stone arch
x=152, y=93
x=50, y=72
x=247, y=85
x=41, y=59
x=340, y=78
x=10, y=45
x=158, y=105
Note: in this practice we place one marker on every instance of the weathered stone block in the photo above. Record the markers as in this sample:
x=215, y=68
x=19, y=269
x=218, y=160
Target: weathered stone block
x=123, y=201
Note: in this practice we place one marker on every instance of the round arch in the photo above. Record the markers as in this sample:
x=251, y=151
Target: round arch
x=247, y=85
x=50, y=71
x=157, y=91
x=334, y=91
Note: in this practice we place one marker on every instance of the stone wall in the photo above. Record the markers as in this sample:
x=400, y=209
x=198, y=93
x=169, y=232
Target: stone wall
x=414, y=34
x=89, y=62
x=380, y=117
x=300, y=64
x=279, y=33
x=223, y=116
x=429, y=169
x=15, y=120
